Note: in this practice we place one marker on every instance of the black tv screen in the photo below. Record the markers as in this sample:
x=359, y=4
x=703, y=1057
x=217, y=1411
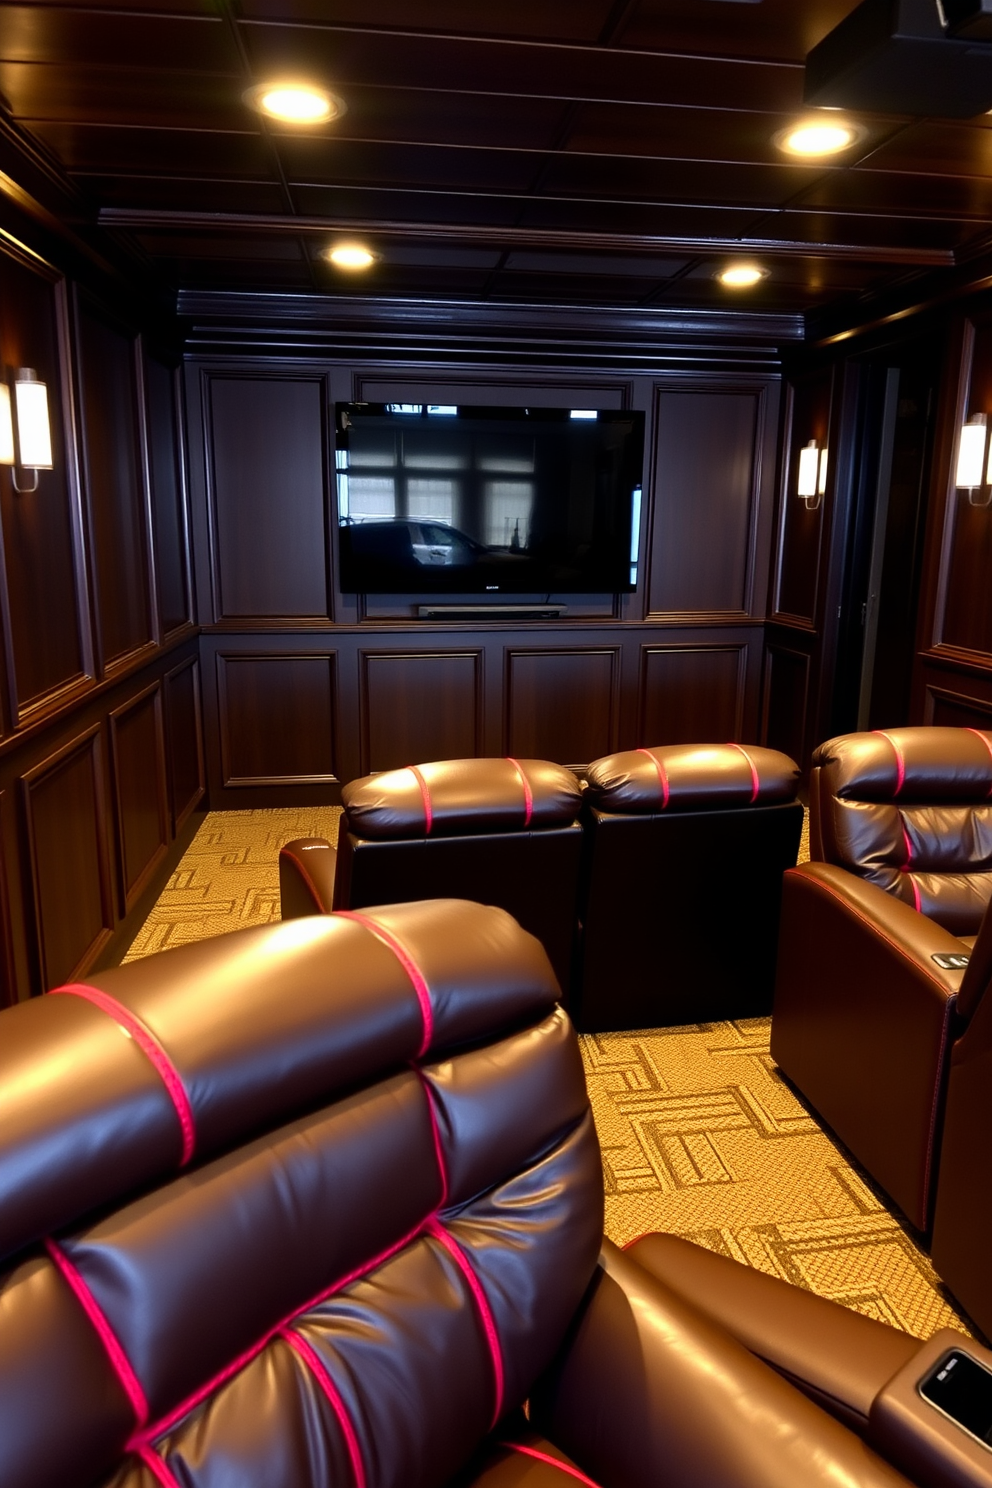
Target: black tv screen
x=437, y=499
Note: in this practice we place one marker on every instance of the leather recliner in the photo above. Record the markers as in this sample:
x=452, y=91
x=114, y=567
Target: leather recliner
x=502, y=831
x=319, y=1205
x=874, y=988
x=685, y=850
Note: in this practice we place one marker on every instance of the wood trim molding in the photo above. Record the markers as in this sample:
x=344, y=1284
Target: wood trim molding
x=180, y=816
x=128, y=896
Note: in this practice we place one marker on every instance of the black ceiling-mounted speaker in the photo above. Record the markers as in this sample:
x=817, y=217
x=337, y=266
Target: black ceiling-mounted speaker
x=896, y=57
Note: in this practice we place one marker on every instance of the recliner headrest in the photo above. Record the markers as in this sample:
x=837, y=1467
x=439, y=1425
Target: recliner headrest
x=455, y=797
x=691, y=777
x=906, y=765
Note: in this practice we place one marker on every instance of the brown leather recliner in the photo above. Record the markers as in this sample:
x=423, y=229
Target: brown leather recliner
x=502, y=831
x=319, y=1205
x=872, y=992
x=685, y=851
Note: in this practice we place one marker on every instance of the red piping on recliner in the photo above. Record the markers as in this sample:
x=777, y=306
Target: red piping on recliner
x=461, y=1260
x=425, y=793
x=979, y=735
x=129, y=1381
x=564, y=1467
x=662, y=777
x=312, y=1360
x=409, y=966
x=528, y=793
x=900, y=761
x=755, y=782
x=149, y=1046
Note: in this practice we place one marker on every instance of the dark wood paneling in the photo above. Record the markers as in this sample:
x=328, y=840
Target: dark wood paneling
x=167, y=495
x=692, y=694
x=276, y=718
x=800, y=530
x=562, y=705
x=785, y=699
x=184, y=740
x=949, y=708
x=705, y=482
x=419, y=706
x=114, y=486
x=65, y=812
x=137, y=749
x=48, y=641
x=267, y=465
x=493, y=391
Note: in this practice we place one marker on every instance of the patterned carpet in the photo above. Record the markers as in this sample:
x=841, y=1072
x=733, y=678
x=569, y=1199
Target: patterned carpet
x=700, y=1135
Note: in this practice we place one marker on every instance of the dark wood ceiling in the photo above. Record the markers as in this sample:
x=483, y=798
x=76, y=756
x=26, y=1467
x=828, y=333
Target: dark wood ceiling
x=564, y=151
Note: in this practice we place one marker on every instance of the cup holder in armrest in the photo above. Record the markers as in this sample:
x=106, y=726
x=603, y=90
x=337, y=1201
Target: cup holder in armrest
x=920, y=1436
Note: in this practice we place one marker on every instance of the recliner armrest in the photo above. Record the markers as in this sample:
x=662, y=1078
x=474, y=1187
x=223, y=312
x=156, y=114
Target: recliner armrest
x=839, y=1358
x=649, y=1391
x=306, y=877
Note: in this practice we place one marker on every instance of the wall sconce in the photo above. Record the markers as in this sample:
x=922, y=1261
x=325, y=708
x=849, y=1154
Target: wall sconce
x=25, y=427
x=812, y=474
x=972, y=475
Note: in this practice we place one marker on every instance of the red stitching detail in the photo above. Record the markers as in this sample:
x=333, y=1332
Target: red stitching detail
x=313, y=1361
x=129, y=1381
x=528, y=793
x=979, y=735
x=662, y=777
x=409, y=966
x=159, y=1428
x=157, y=1467
x=755, y=782
x=461, y=1260
x=564, y=1467
x=909, y=850
x=872, y=926
x=916, y=892
x=442, y=1166
x=900, y=761
x=314, y=891
x=425, y=793
x=151, y=1048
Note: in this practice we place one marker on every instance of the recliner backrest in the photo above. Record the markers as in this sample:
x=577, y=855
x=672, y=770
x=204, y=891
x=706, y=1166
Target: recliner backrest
x=342, y=1196
x=503, y=831
x=910, y=809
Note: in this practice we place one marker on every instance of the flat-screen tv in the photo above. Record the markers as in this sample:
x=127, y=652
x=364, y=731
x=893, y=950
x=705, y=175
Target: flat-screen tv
x=439, y=499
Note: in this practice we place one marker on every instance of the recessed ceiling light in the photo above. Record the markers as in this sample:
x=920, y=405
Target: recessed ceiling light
x=741, y=276
x=817, y=137
x=295, y=103
x=351, y=256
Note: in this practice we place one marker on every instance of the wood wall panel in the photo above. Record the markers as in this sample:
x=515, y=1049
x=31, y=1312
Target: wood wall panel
x=270, y=506
x=419, y=706
x=47, y=629
x=948, y=707
x=784, y=706
x=562, y=705
x=559, y=391
x=184, y=740
x=706, y=472
x=137, y=746
x=65, y=808
x=692, y=694
x=276, y=718
x=115, y=495
x=167, y=488
x=800, y=530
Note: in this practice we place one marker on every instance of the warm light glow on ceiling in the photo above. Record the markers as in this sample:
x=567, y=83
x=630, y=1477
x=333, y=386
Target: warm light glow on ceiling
x=351, y=256
x=818, y=137
x=296, y=103
x=742, y=276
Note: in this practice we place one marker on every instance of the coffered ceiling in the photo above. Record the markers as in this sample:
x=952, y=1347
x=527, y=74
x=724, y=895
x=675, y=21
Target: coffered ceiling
x=570, y=151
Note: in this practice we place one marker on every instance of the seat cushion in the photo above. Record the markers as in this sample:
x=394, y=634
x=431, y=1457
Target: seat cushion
x=454, y=797
x=910, y=809
x=691, y=777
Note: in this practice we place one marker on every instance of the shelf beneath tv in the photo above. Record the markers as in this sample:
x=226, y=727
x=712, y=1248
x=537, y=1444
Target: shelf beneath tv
x=491, y=611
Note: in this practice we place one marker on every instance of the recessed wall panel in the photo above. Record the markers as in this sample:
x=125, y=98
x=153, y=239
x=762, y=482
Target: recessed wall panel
x=691, y=694
x=276, y=718
x=562, y=705
x=420, y=706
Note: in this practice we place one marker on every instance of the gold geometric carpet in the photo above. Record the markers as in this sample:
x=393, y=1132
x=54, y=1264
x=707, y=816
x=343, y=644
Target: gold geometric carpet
x=700, y=1135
